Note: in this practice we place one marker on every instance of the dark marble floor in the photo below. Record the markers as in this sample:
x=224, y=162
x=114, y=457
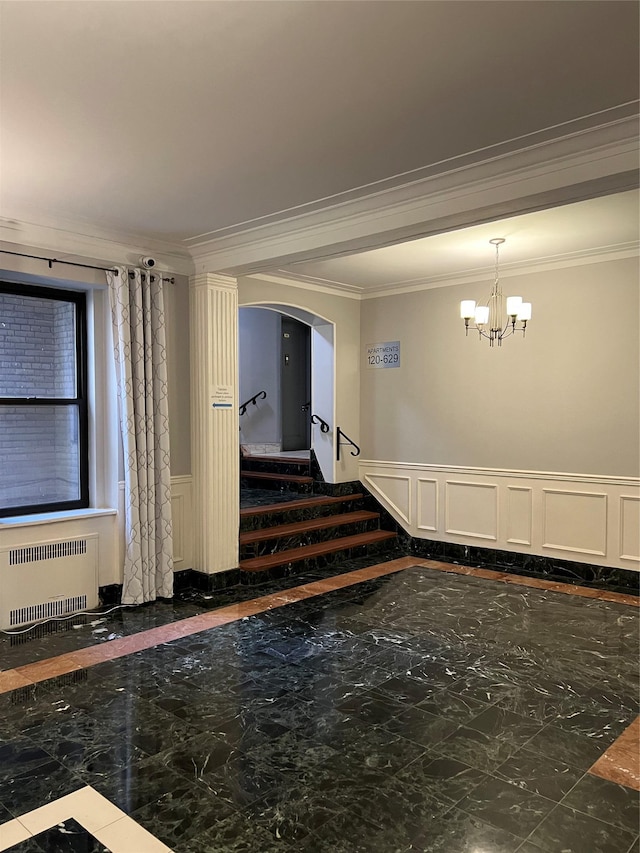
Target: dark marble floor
x=420, y=711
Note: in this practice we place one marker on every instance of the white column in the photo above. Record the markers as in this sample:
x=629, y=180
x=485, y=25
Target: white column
x=214, y=426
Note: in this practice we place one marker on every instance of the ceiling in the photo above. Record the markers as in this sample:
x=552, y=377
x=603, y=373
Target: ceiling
x=182, y=119
x=601, y=228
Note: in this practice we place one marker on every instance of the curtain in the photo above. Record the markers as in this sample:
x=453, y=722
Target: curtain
x=137, y=308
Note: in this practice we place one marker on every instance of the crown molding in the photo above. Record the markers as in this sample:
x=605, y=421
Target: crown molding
x=307, y=282
x=77, y=239
x=598, y=255
x=542, y=173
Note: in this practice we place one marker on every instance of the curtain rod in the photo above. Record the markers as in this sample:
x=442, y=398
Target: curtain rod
x=52, y=261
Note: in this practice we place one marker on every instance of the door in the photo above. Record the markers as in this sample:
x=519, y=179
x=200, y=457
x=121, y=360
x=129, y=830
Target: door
x=295, y=384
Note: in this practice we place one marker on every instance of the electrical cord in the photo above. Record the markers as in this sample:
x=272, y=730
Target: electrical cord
x=62, y=619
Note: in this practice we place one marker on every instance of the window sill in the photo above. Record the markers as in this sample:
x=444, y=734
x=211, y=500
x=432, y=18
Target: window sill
x=47, y=517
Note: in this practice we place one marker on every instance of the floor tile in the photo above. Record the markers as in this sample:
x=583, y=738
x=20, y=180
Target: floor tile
x=506, y=806
x=350, y=834
x=444, y=778
x=21, y=755
x=35, y=787
x=574, y=749
x=570, y=831
x=475, y=748
x=235, y=834
x=621, y=762
x=12, y=832
x=606, y=801
x=505, y=725
x=539, y=774
x=378, y=749
x=460, y=832
x=420, y=726
x=69, y=837
x=181, y=814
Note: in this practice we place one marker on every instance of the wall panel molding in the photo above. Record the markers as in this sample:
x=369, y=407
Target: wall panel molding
x=427, y=503
x=471, y=509
x=629, y=537
x=519, y=514
x=396, y=491
x=581, y=517
x=575, y=521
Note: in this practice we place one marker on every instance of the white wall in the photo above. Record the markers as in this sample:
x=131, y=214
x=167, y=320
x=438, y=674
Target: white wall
x=259, y=370
x=344, y=313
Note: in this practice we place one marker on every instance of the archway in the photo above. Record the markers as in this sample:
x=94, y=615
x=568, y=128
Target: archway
x=254, y=371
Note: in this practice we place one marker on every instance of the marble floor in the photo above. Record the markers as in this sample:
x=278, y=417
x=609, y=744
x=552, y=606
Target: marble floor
x=410, y=706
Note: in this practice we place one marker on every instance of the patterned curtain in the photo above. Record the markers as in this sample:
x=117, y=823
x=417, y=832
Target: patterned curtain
x=137, y=308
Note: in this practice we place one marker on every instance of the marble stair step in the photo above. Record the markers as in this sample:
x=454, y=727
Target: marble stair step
x=279, y=478
x=295, y=555
x=285, y=460
x=303, y=503
x=295, y=527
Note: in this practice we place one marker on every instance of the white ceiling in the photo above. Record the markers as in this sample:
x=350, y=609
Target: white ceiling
x=179, y=119
x=601, y=227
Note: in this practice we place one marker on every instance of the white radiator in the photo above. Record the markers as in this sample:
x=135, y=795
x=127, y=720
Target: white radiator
x=47, y=579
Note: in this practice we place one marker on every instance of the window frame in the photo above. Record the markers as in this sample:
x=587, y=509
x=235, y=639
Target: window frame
x=79, y=402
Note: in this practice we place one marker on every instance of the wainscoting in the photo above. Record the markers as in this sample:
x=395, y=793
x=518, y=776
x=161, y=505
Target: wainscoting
x=591, y=519
x=182, y=517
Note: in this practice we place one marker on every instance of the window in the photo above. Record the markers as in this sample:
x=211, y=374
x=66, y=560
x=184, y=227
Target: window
x=43, y=400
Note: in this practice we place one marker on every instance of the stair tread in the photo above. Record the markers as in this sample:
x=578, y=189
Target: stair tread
x=303, y=503
x=294, y=527
x=286, y=460
x=284, y=478
x=294, y=555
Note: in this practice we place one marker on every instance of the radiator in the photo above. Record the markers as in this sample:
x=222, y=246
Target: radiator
x=42, y=580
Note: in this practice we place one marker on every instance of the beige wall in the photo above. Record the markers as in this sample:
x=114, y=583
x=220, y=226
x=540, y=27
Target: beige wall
x=177, y=319
x=566, y=399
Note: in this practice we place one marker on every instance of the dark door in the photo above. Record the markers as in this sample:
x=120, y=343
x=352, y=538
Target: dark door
x=295, y=384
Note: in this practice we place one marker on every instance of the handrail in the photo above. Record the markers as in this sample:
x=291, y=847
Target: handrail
x=342, y=434
x=261, y=395
x=324, y=426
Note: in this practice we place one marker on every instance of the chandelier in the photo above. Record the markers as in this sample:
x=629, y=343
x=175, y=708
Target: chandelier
x=492, y=319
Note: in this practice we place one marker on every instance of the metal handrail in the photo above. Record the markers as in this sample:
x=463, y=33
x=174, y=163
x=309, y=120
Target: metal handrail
x=341, y=434
x=261, y=395
x=324, y=426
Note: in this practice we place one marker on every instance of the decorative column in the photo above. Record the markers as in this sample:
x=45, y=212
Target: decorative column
x=214, y=421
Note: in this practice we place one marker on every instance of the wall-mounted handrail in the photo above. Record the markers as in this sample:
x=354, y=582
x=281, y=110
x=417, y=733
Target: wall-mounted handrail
x=341, y=435
x=261, y=395
x=324, y=426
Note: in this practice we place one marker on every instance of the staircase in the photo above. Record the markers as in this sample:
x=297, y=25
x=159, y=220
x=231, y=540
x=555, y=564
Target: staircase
x=277, y=472
x=311, y=529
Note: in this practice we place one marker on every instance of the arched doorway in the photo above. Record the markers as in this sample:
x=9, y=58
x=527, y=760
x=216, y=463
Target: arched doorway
x=266, y=361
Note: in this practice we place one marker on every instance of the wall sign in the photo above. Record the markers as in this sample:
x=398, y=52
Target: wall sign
x=383, y=354
x=222, y=397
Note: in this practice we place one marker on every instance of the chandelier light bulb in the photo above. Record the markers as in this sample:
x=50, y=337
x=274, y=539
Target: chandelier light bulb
x=513, y=305
x=524, y=312
x=468, y=309
x=482, y=315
